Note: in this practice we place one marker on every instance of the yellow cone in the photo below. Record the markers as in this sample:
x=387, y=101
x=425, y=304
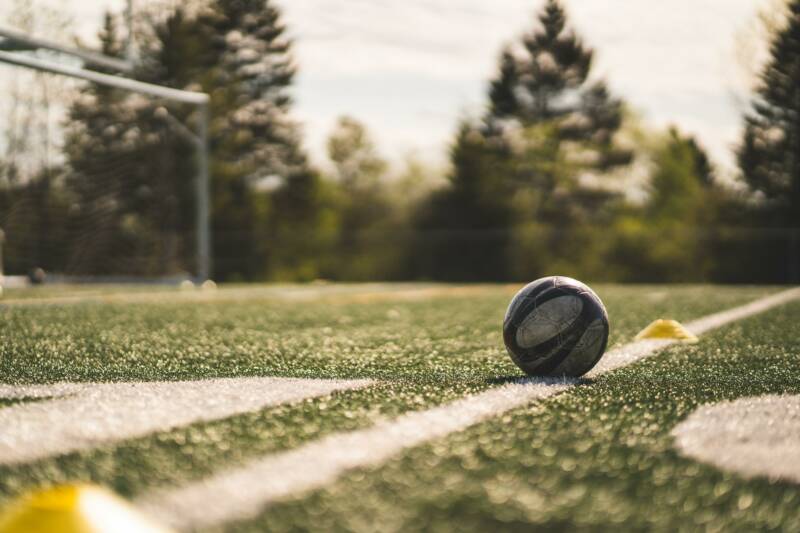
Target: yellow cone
x=74, y=509
x=667, y=329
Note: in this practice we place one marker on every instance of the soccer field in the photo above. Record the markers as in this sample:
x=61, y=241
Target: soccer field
x=359, y=407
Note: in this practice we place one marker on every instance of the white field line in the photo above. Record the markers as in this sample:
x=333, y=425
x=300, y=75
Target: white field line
x=83, y=416
x=750, y=436
x=243, y=492
x=636, y=350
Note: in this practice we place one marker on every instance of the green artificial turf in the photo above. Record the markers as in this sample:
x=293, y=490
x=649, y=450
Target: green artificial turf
x=599, y=457
x=425, y=344
x=447, y=337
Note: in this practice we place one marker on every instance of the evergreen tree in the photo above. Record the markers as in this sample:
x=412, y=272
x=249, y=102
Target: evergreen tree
x=363, y=206
x=545, y=79
x=131, y=175
x=670, y=238
x=552, y=61
x=548, y=129
x=679, y=181
x=250, y=69
x=236, y=51
x=463, y=231
x=247, y=67
x=769, y=155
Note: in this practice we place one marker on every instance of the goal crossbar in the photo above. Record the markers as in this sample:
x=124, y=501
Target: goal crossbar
x=167, y=93
x=20, y=39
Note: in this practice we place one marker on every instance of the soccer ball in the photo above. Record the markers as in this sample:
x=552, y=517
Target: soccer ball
x=556, y=326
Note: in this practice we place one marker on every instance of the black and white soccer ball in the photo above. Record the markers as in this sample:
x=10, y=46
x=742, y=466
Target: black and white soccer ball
x=556, y=326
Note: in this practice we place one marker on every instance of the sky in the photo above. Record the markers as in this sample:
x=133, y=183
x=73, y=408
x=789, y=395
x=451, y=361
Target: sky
x=409, y=69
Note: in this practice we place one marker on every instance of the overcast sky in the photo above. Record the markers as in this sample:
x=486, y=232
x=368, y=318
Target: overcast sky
x=410, y=68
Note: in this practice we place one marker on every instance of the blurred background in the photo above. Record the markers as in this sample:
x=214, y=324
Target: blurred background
x=641, y=141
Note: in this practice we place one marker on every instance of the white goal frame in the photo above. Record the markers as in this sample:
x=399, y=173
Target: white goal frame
x=203, y=267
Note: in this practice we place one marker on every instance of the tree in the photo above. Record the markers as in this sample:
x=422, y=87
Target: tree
x=545, y=79
x=531, y=169
x=670, y=237
x=462, y=231
x=30, y=132
x=32, y=209
x=356, y=161
x=249, y=66
x=769, y=154
x=366, y=215
x=752, y=40
x=553, y=60
x=236, y=51
x=245, y=63
x=131, y=173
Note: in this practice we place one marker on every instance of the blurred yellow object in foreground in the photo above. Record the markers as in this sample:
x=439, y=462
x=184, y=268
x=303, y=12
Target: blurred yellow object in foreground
x=667, y=329
x=74, y=509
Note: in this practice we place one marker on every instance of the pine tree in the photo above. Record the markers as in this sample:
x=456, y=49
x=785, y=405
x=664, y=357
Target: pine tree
x=247, y=67
x=463, y=231
x=251, y=71
x=548, y=125
x=769, y=155
x=553, y=60
x=545, y=79
x=131, y=175
x=236, y=51
x=503, y=90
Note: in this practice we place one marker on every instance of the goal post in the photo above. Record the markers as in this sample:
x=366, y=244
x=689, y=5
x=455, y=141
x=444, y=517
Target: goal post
x=199, y=138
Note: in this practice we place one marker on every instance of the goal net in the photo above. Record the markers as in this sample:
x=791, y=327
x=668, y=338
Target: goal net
x=99, y=177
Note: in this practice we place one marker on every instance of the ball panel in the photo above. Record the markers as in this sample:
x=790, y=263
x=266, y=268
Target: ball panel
x=548, y=320
x=586, y=352
x=527, y=294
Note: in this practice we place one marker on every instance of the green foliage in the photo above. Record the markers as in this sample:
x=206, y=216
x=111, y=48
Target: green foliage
x=676, y=187
x=531, y=86
x=302, y=230
x=353, y=154
x=461, y=231
x=520, y=202
x=366, y=216
x=533, y=186
x=246, y=66
x=545, y=80
x=130, y=219
x=770, y=152
x=38, y=211
x=667, y=237
x=238, y=53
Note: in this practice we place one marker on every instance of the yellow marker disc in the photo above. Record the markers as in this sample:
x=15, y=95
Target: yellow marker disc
x=667, y=329
x=74, y=509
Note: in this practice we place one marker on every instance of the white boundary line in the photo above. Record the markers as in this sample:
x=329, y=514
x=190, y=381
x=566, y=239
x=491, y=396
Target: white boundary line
x=755, y=436
x=243, y=492
x=79, y=416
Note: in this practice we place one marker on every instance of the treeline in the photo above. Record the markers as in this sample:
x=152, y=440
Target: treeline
x=556, y=176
